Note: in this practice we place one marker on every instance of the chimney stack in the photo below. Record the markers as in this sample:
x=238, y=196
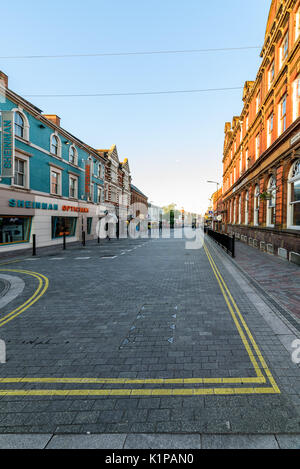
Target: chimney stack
x=3, y=79
x=53, y=118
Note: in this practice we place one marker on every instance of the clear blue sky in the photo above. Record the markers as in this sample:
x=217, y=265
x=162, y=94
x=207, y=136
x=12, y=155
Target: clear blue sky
x=174, y=142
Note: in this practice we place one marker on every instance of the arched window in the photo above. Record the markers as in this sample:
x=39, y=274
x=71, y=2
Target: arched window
x=271, y=202
x=293, y=220
x=55, y=145
x=256, y=205
x=73, y=155
x=19, y=125
x=234, y=211
x=246, y=208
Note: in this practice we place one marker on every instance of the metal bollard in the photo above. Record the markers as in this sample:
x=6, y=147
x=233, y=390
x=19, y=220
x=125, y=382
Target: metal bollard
x=83, y=238
x=64, y=241
x=34, y=245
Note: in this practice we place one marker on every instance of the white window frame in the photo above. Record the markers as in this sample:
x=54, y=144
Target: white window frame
x=247, y=208
x=58, y=154
x=25, y=160
x=256, y=205
x=240, y=210
x=73, y=178
x=270, y=129
x=281, y=116
x=271, y=74
x=270, y=208
x=290, y=205
x=73, y=148
x=297, y=24
x=257, y=146
x=282, y=57
x=26, y=127
x=54, y=169
x=296, y=97
x=99, y=194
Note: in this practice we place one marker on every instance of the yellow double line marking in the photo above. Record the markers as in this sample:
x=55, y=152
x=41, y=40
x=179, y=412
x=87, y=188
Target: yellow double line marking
x=260, y=379
x=226, y=292
x=40, y=291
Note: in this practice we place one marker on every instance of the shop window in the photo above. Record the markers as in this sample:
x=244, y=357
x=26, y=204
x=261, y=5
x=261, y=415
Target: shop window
x=14, y=229
x=89, y=223
x=294, y=196
x=271, y=207
x=246, y=208
x=61, y=225
x=256, y=205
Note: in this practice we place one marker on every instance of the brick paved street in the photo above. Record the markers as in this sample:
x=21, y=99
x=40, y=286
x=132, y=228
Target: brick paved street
x=276, y=276
x=138, y=337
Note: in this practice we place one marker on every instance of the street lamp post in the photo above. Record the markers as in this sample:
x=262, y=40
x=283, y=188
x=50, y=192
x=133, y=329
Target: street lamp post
x=217, y=183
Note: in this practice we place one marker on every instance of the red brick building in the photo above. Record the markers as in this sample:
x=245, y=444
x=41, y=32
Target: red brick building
x=261, y=163
x=139, y=202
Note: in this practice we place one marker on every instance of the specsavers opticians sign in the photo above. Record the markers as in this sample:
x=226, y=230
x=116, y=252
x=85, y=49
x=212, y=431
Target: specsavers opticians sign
x=7, y=144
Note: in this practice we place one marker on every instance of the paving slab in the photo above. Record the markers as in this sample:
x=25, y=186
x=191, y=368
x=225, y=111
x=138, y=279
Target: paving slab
x=104, y=441
x=162, y=441
x=239, y=442
x=24, y=441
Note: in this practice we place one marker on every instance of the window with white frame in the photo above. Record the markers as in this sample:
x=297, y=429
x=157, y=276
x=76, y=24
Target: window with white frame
x=247, y=122
x=297, y=24
x=113, y=195
x=114, y=173
x=19, y=125
x=99, y=195
x=296, y=98
x=256, y=205
x=73, y=155
x=257, y=101
x=246, y=208
x=282, y=115
x=284, y=49
x=20, y=172
x=55, y=181
x=240, y=210
x=271, y=74
x=73, y=187
x=100, y=171
x=293, y=216
x=55, y=146
x=257, y=146
x=270, y=126
x=241, y=163
x=234, y=211
x=241, y=133
x=234, y=174
x=271, y=202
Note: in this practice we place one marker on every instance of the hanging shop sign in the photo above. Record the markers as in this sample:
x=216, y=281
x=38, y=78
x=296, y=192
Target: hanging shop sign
x=7, y=144
x=87, y=180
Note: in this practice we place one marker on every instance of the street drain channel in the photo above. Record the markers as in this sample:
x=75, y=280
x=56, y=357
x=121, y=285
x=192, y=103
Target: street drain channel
x=155, y=324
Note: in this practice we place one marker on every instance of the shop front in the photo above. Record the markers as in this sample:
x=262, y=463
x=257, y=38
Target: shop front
x=49, y=218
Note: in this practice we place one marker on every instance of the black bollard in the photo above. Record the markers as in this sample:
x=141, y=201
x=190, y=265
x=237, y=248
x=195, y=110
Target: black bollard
x=34, y=245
